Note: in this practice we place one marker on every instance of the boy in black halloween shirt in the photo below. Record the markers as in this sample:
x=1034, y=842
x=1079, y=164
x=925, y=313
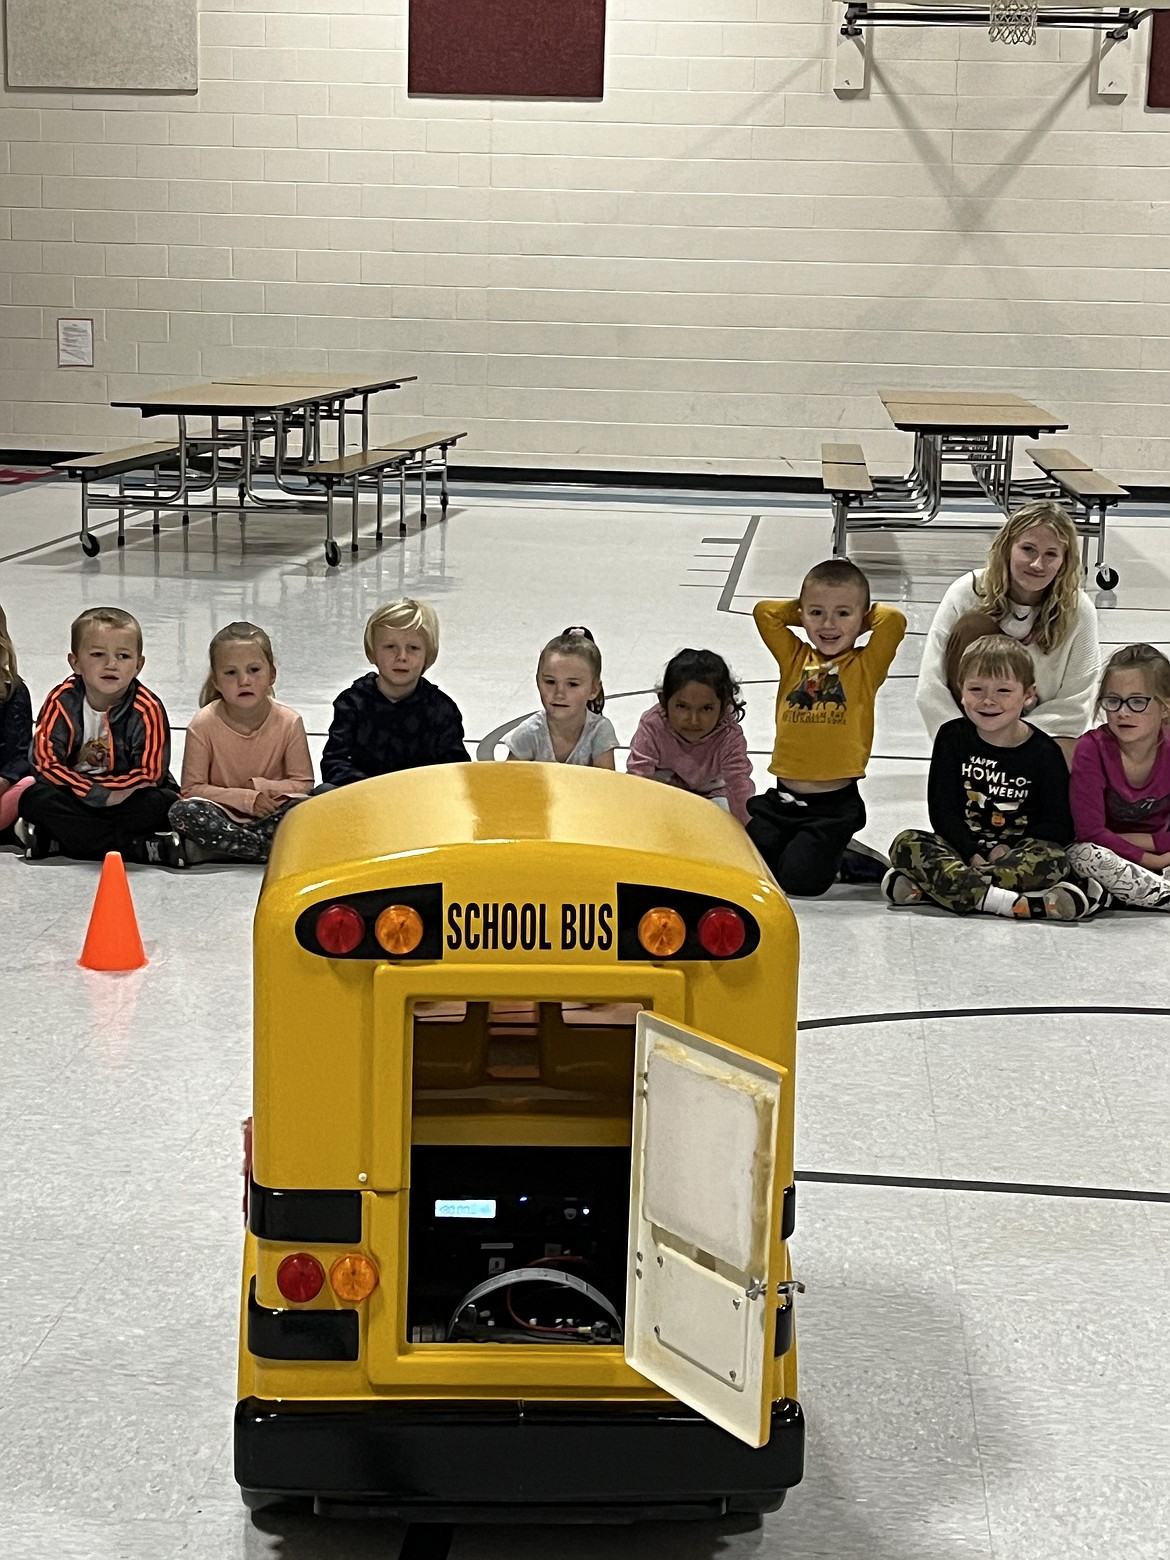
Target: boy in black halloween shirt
x=998, y=800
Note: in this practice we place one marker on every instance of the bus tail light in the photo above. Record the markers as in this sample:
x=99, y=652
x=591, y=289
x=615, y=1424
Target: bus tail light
x=353, y=1277
x=399, y=929
x=662, y=932
x=300, y=1277
x=339, y=929
x=721, y=931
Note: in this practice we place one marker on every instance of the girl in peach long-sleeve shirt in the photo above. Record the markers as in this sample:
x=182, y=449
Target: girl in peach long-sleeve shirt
x=246, y=758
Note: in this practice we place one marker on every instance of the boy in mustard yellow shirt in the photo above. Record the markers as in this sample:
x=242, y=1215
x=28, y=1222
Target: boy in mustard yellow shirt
x=824, y=722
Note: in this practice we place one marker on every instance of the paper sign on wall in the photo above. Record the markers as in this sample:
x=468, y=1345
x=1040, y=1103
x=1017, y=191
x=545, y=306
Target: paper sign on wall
x=74, y=343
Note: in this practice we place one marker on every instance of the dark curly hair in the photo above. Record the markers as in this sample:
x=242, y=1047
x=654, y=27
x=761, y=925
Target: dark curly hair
x=706, y=668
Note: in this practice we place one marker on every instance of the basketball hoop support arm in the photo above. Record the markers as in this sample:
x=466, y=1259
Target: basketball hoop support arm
x=1116, y=24
x=851, y=64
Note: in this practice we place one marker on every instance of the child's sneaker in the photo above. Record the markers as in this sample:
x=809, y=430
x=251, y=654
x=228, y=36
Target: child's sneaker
x=164, y=850
x=861, y=864
x=1064, y=902
x=37, y=844
x=1100, y=898
x=900, y=890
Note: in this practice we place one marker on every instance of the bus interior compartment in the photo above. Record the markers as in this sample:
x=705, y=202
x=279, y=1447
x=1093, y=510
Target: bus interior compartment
x=479, y=1213
x=496, y=1050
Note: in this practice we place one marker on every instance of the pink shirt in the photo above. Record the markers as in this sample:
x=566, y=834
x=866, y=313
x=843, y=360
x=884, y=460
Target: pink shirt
x=230, y=767
x=1105, y=805
x=718, y=765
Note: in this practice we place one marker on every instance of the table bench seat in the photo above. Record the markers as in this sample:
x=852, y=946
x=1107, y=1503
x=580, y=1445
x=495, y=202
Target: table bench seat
x=103, y=465
x=1090, y=491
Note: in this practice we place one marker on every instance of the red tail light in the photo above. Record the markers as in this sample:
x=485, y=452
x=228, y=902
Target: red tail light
x=339, y=929
x=721, y=931
x=300, y=1277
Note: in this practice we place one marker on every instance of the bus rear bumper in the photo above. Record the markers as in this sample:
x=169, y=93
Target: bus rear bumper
x=475, y=1461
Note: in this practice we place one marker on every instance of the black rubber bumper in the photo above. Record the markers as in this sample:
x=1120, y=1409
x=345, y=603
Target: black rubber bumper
x=428, y=1458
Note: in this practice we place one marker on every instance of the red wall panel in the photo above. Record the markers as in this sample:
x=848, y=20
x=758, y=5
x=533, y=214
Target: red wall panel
x=507, y=48
x=1158, y=86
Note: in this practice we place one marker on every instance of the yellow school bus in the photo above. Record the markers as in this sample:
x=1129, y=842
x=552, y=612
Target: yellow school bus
x=521, y=1178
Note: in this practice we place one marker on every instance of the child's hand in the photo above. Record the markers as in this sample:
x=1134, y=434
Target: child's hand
x=977, y=861
x=265, y=804
x=997, y=854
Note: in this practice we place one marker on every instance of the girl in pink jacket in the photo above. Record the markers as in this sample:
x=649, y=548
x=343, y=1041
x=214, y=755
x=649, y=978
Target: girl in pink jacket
x=692, y=738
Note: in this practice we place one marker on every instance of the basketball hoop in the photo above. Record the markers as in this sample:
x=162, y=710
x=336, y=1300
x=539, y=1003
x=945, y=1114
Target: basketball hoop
x=1012, y=21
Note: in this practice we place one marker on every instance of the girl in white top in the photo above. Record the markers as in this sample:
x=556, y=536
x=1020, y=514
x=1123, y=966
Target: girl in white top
x=1030, y=590
x=569, y=728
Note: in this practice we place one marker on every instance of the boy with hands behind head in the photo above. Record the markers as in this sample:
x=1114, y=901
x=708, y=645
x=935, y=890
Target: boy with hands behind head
x=824, y=721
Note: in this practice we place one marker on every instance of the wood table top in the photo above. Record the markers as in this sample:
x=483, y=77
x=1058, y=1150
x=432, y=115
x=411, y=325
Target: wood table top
x=337, y=384
x=224, y=399
x=948, y=411
x=953, y=397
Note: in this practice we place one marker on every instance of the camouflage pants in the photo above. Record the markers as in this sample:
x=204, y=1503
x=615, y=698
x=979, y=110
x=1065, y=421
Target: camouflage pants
x=1029, y=867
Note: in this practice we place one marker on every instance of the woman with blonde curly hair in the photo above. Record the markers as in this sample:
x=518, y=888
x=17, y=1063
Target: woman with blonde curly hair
x=1031, y=591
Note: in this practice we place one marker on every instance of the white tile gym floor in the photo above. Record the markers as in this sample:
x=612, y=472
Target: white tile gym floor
x=984, y=1226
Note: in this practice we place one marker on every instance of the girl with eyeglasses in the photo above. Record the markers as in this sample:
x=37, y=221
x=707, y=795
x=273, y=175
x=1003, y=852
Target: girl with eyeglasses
x=1120, y=788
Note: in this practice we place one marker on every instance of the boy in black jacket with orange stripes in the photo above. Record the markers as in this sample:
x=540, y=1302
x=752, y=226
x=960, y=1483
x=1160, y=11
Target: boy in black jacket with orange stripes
x=101, y=751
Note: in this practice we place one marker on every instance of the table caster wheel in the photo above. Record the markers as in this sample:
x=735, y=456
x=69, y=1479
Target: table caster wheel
x=90, y=546
x=332, y=554
x=1107, y=579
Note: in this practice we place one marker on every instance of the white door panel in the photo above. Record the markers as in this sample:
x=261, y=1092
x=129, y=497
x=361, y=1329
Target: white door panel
x=701, y=1289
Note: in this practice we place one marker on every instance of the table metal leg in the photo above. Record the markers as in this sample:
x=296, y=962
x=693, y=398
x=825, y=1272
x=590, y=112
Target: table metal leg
x=422, y=485
x=381, y=495
x=402, y=499
x=353, y=526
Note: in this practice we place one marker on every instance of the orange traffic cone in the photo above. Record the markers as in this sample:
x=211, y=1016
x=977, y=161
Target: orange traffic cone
x=113, y=941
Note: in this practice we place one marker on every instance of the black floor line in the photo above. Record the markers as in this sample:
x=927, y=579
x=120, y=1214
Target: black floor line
x=942, y=1183
x=848, y=1020
x=745, y=546
x=427, y=1541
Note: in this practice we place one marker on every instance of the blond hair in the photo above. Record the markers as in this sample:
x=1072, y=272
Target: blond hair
x=9, y=676
x=1057, y=609
x=581, y=643
x=102, y=617
x=1151, y=663
x=996, y=655
x=406, y=614
x=234, y=634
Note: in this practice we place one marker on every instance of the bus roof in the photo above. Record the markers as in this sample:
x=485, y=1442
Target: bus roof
x=447, y=805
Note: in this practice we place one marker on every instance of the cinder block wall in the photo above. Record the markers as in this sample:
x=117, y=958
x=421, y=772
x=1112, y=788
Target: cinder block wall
x=710, y=270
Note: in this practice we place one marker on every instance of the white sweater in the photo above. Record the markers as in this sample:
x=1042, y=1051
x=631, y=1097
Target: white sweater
x=1066, y=678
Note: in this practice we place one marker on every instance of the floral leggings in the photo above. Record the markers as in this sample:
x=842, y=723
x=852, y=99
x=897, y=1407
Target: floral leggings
x=220, y=835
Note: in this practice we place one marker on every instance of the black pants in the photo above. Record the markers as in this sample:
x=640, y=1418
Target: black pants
x=803, y=838
x=89, y=832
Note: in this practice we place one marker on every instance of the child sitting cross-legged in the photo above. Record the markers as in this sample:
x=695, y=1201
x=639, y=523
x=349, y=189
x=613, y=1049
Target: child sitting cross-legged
x=100, y=751
x=246, y=759
x=569, y=727
x=1121, y=783
x=15, y=732
x=691, y=736
x=393, y=718
x=998, y=799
